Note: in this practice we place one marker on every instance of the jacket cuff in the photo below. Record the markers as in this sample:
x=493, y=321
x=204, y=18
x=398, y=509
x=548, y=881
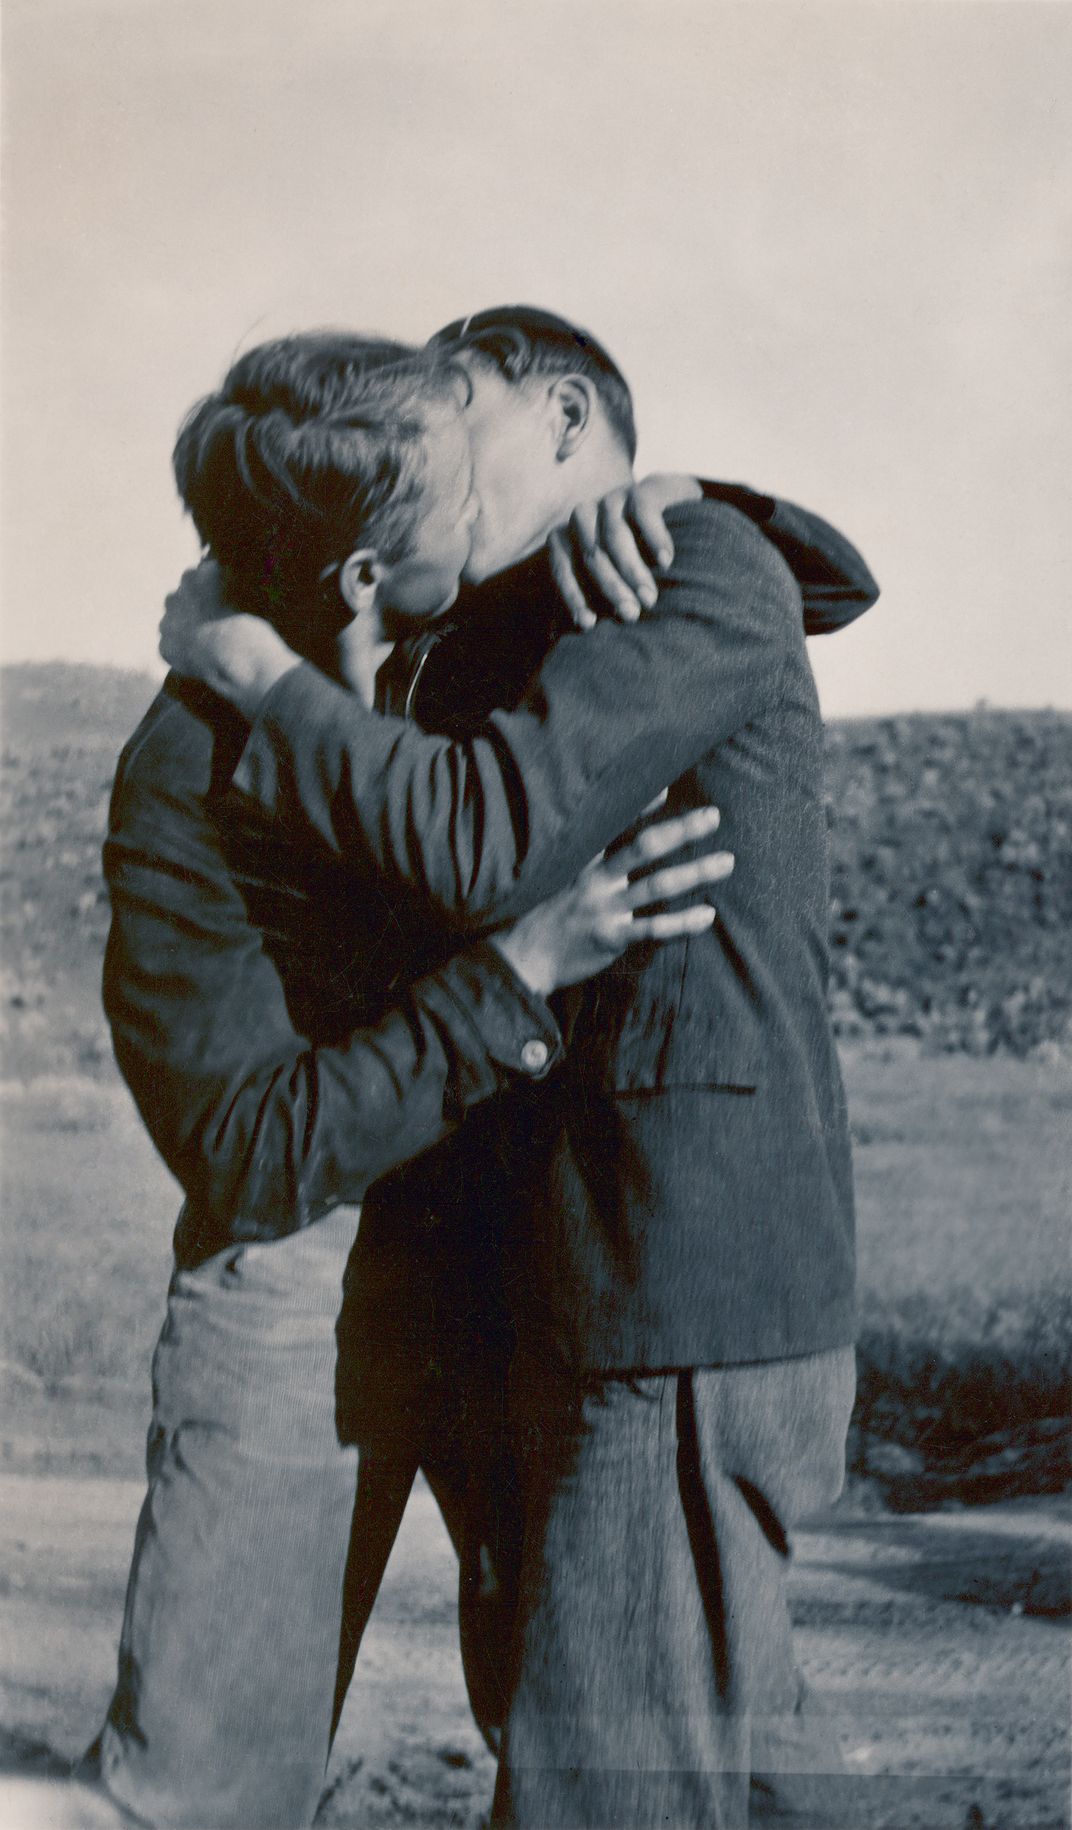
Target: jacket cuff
x=514, y=1032
x=750, y=502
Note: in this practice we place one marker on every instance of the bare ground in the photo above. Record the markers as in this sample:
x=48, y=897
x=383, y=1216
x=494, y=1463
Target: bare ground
x=939, y=1642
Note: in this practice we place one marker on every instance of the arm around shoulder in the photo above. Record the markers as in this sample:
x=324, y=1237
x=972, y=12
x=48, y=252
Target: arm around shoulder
x=479, y=831
x=263, y=1129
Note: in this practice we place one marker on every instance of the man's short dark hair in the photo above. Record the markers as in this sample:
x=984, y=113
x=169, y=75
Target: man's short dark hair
x=311, y=447
x=524, y=342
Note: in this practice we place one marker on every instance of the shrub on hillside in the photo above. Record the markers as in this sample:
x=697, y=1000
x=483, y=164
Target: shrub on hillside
x=951, y=917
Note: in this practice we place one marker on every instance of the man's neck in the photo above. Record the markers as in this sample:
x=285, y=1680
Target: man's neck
x=352, y=658
x=607, y=469
x=587, y=481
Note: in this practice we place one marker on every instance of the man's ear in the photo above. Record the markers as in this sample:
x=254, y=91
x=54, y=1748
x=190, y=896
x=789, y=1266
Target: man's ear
x=572, y=404
x=360, y=577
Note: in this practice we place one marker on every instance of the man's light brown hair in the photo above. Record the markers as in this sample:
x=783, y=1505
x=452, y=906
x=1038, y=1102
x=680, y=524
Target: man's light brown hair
x=311, y=447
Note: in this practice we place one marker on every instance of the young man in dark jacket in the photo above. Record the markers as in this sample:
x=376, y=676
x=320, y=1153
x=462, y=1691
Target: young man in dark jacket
x=680, y=1238
x=288, y=1040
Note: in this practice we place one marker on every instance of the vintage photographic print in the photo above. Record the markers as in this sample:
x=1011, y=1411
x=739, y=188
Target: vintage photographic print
x=536, y=1077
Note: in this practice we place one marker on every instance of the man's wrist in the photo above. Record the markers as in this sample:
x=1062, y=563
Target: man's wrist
x=516, y=1027
x=528, y=964
x=242, y=660
x=250, y=692
x=671, y=488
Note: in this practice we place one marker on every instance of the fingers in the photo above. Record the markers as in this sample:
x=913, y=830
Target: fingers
x=561, y=556
x=650, y=525
x=651, y=498
x=169, y=626
x=625, y=838
x=671, y=927
x=665, y=836
x=619, y=544
x=601, y=558
x=589, y=557
x=618, y=931
x=678, y=880
x=599, y=568
x=177, y=601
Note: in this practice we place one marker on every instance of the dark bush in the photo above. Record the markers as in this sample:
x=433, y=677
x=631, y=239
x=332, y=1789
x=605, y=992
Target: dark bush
x=951, y=916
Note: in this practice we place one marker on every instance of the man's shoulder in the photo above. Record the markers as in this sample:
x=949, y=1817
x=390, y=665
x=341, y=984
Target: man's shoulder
x=719, y=534
x=186, y=746
x=726, y=573
x=181, y=741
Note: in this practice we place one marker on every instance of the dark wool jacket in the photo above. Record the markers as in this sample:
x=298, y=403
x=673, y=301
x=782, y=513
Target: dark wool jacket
x=681, y=1192
x=280, y=1059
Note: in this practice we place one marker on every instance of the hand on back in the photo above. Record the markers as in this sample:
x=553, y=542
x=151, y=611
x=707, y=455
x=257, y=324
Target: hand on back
x=609, y=907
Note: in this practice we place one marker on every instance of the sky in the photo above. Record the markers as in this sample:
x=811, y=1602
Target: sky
x=830, y=245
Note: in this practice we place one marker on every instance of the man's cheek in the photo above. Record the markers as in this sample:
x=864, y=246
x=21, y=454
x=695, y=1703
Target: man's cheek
x=474, y=569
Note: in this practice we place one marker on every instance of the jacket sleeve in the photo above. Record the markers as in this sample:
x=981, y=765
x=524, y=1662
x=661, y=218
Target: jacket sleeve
x=836, y=585
x=477, y=831
x=263, y=1130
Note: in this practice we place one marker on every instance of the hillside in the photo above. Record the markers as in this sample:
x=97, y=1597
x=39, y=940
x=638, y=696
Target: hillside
x=952, y=841
x=951, y=916
x=61, y=730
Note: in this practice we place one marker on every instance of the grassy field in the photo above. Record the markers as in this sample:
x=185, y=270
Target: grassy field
x=963, y=1171
x=964, y=1177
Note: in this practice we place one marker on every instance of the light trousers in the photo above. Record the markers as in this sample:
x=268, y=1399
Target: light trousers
x=261, y=1544
x=655, y=1682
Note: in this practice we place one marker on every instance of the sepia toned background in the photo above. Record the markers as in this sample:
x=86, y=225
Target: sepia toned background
x=830, y=245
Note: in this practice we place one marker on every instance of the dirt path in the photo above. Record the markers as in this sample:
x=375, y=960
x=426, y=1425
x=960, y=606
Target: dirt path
x=937, y=1640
